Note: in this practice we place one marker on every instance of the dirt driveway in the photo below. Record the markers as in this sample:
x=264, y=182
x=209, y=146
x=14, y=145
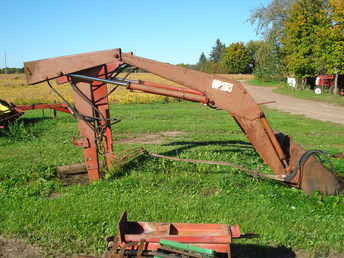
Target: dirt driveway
x=312, y=109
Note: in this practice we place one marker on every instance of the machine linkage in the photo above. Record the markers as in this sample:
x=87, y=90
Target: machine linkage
x=90, y=73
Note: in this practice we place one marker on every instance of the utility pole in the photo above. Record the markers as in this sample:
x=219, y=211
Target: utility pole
x=5, y=69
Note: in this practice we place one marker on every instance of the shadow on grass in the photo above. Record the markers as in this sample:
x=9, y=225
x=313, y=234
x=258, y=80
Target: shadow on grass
x=186, y=145
x=258, y=251
x=32, y=120
x=22, y=130
x=26, y=122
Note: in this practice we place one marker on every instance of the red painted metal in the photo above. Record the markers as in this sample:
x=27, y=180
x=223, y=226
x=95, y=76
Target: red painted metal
x=90, y=99
x=100, y=71
x=99, y=93
x=52, y=68
x=57, y=107
x=82, y=142
x=16, y=111
x=325, y=80
x=170, y=91
x=86, y=129
x=211, y=236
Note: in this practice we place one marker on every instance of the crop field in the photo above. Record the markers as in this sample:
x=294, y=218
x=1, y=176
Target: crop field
x=13, y=88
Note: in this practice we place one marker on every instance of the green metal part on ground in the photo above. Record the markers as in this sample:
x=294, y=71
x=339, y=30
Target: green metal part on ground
x=187, y=247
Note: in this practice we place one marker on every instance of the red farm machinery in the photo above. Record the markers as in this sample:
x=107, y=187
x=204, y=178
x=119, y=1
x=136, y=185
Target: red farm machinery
x=90, y=73
x=326, y=83
x=10, y=112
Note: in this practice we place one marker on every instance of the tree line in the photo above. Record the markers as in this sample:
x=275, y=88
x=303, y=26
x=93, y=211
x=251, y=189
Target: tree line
x=236, y=58
x=9, y=70
x=302, y=38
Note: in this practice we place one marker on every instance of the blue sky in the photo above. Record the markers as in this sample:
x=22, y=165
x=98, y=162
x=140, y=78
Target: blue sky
x=170, y=31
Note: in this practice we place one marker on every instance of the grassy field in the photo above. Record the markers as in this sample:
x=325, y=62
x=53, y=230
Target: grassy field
x=78, y=218
x=13, y=88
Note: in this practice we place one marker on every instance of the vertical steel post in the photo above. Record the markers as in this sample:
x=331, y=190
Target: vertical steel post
x=87, y=133
x=102, y=104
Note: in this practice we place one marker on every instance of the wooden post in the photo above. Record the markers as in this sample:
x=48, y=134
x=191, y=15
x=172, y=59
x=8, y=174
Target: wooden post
x=335, y=92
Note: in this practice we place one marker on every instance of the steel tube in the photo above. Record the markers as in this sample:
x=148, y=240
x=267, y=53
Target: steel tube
x=168, y=92
x=154, y=88
x=89, y=78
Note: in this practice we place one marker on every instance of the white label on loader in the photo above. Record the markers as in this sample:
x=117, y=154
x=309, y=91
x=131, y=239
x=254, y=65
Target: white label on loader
x=220, y=85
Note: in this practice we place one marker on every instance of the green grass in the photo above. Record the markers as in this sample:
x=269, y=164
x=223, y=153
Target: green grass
x=309, y=94
x=160, y=190
x=256, y=82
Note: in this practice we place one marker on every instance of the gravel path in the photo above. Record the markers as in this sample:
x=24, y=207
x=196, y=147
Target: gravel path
x=312, y=109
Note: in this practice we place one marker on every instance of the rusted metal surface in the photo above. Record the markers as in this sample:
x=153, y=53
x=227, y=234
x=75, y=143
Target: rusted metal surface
x=216, y=237
x=82, y=142
x=91, y=102
x=51, y=68
x=175, y=92
x=83, y=91
x=99, y=68
x=312, y=175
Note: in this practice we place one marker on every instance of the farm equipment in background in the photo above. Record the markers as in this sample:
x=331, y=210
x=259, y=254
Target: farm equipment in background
x=10, y=112
x=90, y=73
x=327, y=83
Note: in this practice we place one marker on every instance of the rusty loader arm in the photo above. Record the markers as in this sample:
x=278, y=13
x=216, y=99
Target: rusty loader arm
x=90, y=72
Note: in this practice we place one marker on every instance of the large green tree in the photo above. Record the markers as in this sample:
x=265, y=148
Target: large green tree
x=202, y=59
x=217, y=51
x=252, y=47
x=236, y=59
x=268, y=64
x=303, y=38
x=336, y=35
x=204, y=65
x=270, y=23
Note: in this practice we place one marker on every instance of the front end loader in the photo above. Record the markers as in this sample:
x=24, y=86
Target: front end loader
x=90, y=73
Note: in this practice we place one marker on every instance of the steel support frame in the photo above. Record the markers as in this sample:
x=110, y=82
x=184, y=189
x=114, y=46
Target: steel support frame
x=94, y=122
x=91, y=101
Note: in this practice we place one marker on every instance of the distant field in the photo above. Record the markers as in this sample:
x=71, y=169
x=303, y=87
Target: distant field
x=13, y=88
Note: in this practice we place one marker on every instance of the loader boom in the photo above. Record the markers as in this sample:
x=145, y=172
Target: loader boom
x=88, y=74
